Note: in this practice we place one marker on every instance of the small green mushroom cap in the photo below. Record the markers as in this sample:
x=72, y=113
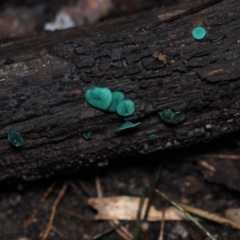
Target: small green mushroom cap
x=169, y=116
x=15, y=139
x=99, y=97
x=199, y=33
x=127, y=125
x=152, y=137
x=166, y=115
x=126, y=108
x=51, y=110
x=117, y=97
x=177, y=117
x=88, y=136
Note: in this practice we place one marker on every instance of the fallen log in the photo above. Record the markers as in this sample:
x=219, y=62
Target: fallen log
x=151, y=57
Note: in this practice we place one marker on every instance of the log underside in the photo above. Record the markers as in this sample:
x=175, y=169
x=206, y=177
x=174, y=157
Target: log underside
x=53, y=70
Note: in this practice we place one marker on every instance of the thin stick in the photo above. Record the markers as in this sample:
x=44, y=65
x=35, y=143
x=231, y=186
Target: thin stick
x=151, y=195
x=98, y=187
x=210, y=216
x=137, y=231
x=220, y=156
x=85, y=189
x=162, y=226
x=186, y=213
x=39, y=205
x=79, y=216
x=105, y=232
x=145, y=230
x=46, y=231
x=121, y=231
x=76, y=189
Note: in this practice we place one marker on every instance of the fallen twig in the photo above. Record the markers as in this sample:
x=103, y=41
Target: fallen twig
x=210, y=216
x=44, y=234
x=39, y=205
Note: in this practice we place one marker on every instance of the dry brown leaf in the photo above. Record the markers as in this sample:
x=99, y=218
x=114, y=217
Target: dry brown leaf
x=125, y=208
x=233, y=214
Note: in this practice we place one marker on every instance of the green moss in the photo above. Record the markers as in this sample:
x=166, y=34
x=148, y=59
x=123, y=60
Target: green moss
x=199, y=33
x=169, y=116
x=117, y=97
x=99, y=97
x=126, y=108
x=15, y=139
x=127, y=125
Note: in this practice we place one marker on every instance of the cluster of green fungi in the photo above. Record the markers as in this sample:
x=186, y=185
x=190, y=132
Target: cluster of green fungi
x=103, y=98
x=169, y=116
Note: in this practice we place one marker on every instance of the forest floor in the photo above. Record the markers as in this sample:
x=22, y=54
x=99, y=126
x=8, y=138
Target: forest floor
x=196, y=176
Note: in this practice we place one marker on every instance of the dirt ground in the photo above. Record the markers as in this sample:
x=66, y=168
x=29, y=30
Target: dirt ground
x=182, y=177
x=205, y=176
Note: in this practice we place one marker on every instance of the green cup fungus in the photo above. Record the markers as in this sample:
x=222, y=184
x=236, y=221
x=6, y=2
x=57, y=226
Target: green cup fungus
x=99, y=97
x=169, y=116
x=88, y=136
x=126, y=108
x=177, y=117
x=152, y=137
x=117, y=97
x=199, y=33
x=15, y=139
x=127, y=125
x=102, y=98
x=51, y=110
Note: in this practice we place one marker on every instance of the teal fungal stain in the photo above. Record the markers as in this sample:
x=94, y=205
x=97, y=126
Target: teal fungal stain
x=117, y=97
x=126, y=108
x=51, y=111
x=152, y=137
x=15, y=139
x=127, y=125
x=199, y=33
x=99, y=97
x=88, y=136
x=169, y=116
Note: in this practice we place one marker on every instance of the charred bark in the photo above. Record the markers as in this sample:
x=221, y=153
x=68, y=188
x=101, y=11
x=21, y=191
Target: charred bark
x=52, y=70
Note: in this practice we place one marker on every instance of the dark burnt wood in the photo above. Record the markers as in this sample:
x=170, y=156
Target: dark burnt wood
x=52, y=70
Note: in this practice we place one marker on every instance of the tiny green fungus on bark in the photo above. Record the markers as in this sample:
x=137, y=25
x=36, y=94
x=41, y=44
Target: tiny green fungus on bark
x=15, y=139
x=177, y=117
x=99, y=97
x=117, y=97
x=166, y=115
x=51, y=110
x=169, y=116
x=199, y=33
x=127, y=125
x=152, y=137
x=88, y=136
x=126, y=108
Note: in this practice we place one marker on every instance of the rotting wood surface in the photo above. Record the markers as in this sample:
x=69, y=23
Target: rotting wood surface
x=53, y=70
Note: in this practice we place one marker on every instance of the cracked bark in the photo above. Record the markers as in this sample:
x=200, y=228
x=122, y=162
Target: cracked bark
x=52, y=70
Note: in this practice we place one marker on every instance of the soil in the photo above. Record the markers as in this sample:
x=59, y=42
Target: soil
x=183, y=178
